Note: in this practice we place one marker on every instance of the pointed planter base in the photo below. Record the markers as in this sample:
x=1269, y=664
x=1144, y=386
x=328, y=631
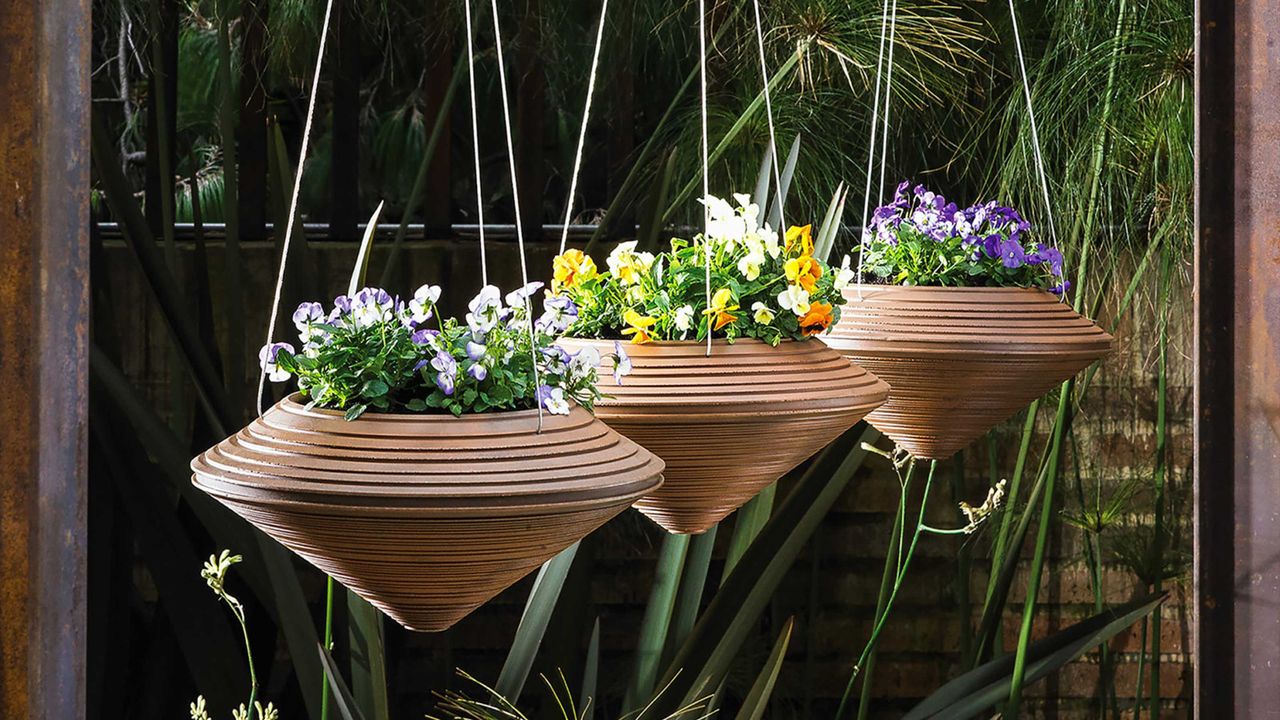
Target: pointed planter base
x=426, y=516
x=730, y=424
x=961, y=360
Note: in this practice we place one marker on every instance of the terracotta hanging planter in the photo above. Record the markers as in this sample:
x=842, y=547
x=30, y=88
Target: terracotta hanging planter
x=730, y=424
x=426, y=516
x=961, y=360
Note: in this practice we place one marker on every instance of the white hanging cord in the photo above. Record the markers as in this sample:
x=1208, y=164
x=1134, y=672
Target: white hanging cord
x=871, y=143
x=1035, y=136
x=293, y=200
x=768, y=109
x=582, y=134
x=515, y=198
x=475, y=140
x=888, y=95
x=706, y=191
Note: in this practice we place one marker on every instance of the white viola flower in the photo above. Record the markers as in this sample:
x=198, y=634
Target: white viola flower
x=627, y=265
x=844, y=275
x=749, y=264
x=305, y=317
x=762, y=313
x=724, y=224
x=621, y=363
x=371, y=306
x=486, y=310
x=684, y=318
x=553, y=400
x=422, y=306
x=750, y=211
x=517, y=297
x=267, y=361
x=769, y=237
x=585, y=362
x=795, y=299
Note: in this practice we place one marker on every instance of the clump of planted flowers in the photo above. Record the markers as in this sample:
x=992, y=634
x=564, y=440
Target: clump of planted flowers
x=762, y=285
x=372, y=350
x=922, y=239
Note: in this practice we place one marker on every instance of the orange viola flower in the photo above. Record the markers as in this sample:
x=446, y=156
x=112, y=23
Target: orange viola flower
x=638, y=326
x=817, y=319
x=722, y=308
x=570, y=268
x=803, y=271
x=802, y=236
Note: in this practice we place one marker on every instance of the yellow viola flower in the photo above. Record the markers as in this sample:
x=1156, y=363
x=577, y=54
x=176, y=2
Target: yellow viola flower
x=803, y=271
x=721, y=309
x=626, y=264
x=570, y=268
x=638, y=326
x=801, y=237
x=763, y=314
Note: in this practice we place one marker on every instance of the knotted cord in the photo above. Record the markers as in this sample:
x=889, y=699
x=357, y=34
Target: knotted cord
x=582, y=134
x=293, y=200
x=515, y=198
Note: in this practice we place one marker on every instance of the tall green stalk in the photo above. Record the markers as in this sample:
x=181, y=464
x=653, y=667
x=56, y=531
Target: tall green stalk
x=1161, y=470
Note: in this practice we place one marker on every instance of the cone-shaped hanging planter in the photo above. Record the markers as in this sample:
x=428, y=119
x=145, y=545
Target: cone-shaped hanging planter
x=426, y=516
x=961, y=360
x=730, y=424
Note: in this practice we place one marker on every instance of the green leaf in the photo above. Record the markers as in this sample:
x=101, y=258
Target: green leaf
x=375, y=388
x=590, y=675
x=750, y=520
x=368, y=657
x=362, y=258
x=342, y=694
x=757, y=701
x=657, y=618
x=692, y=585
x=355, y=411
x=533, y=623
x=784, y=184
x=972, y=693
x=704, y=659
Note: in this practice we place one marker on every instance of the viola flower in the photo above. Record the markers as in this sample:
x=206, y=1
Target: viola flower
x=721, y=308
x=801, y=237
x=795, y=299
x=844, y=275
x=817, y=320
x=583, y=363
x=1012, y=255
x=571, y=268
x=638, y=326
x=724, y=224
x=683, y=319
x=446, y=371
x=1061, y=288
x=267, y=361
x=621, y=363
x=519, y=296
x=761, y=313
x=371, y=306
x=486, y=311
x=559, y=312
x=553, y=400
x=749, y=264
x=423, y=303
x=803, y=271
x=628, y=265
x=305, y=317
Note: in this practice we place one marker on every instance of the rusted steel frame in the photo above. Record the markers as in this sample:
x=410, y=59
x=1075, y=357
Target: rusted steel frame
x=1237, y=395
x=44, y=253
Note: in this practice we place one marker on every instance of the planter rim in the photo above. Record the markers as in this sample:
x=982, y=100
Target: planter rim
x=715, y=342
x=295, y=400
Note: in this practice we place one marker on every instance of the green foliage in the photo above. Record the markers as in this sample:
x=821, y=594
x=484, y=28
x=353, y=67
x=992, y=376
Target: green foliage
x=375, y=352
x=738, y=280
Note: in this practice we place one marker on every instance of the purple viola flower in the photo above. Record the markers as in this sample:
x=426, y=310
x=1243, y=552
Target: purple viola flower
x=991, y=245
x=425, y=336
x=1061, y=288
x=1012, y=255
x=553, y=400
x=1052, y=256
x=446, y=371
x=559, y=313
x=475, y=351
x=371, y=306
x=486, y=311
x=520, y=295
x=621, y=363
x=267, y=361
x=478, y=371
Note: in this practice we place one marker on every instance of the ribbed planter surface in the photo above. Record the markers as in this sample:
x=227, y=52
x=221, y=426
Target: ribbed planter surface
x=426, y=516
x=961, y=360
x=730, y=424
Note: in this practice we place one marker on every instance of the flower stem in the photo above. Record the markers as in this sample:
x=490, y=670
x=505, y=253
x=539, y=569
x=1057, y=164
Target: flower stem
x=328, y=645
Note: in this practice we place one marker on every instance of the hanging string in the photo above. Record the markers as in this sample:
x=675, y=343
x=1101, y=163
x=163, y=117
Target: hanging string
x=582, y=134
x=1035, y=136
x=475, y=140
x=706, y=190
x=293, y=199
x=515, y=197
x=768, y=109
x=871, y=143
x=888, y=96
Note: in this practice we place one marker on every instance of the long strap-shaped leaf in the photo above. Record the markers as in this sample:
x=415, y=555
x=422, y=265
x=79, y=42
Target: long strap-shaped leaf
x=704, y=659
x=757, y=700
x=973, y=692
x=657, y=620
x=368, y=657
x=533, y=623
x=344, y=700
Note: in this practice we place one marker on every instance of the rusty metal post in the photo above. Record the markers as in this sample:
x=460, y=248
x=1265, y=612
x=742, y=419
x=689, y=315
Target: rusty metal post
x=44, y=276
x=1237, y=423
